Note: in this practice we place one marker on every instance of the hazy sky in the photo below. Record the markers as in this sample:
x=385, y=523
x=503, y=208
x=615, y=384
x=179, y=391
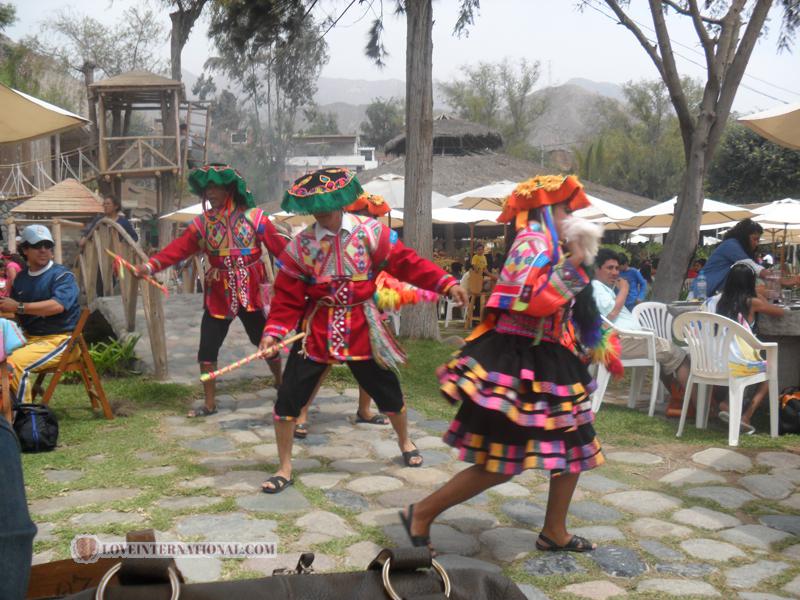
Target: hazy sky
x=568, y=43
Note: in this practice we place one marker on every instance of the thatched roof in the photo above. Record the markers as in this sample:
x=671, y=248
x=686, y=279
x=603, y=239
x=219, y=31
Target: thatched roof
x=69, y=197
x=455, y=174
x=453, y=136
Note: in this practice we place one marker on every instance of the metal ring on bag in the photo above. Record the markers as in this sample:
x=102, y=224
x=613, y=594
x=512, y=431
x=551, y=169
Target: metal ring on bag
x=174, y=582
x=387, y=585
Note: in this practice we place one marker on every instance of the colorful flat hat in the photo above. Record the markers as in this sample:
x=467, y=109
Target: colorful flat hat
x=224, y=175
x=543, y=190
x=374, y=204
x=324, y=190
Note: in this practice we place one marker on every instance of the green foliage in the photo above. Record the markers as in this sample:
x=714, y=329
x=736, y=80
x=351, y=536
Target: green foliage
x=8, y=15
x=133, y=43
x=384, y=121
x=639, y=149
x=204, y=86
x=749, y=168
x=320, y=123
x=114, y=358
x=498, y=95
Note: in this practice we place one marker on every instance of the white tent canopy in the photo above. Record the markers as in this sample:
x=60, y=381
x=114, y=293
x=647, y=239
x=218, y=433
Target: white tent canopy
x=25, y=118
x=473, y=217
x=392, y=188
x=184, y=215
x=661, y=215
x=780, y=125
x=602, y=211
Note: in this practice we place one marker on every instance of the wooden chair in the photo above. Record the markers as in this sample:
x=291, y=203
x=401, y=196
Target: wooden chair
x=76, y=358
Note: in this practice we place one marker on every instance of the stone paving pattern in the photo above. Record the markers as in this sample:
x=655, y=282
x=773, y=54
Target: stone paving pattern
x=718, y=522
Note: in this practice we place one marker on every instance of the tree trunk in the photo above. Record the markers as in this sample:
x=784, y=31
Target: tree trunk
x=88, y=78
x=419, y=321
x=685, y=230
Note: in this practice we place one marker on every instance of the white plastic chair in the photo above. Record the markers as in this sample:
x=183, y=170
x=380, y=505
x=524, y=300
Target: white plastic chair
x=656, y=317
x=637, y=364
x=709, y=338
x=446, y=306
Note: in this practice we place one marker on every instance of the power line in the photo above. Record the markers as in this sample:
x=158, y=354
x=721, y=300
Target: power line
x=332, y=25
x=702, y=66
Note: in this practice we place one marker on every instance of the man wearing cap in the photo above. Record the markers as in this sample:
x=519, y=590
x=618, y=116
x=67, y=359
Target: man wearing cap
x=230, y=232
x=327, y=280
x=45, y=298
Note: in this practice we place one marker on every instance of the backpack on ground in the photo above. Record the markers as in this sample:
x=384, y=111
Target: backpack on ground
x=36, y=427
x=789, y=413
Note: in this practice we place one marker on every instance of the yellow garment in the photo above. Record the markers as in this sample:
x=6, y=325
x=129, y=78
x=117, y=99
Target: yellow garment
x=41, y=352
x=475, y=280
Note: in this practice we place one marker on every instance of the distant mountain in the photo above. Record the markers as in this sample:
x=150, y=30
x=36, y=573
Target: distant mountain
x=357, y=91
x=604, y=88
x=569, y=118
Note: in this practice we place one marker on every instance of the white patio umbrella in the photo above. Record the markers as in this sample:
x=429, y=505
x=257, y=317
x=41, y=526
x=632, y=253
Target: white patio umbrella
x=602, y=211
x=392, y=188
x=661, y=214
x=780, y=125
x=781, y=212
x=478, y=218
x=486, y=197
x=184, y=215
x=638, y=239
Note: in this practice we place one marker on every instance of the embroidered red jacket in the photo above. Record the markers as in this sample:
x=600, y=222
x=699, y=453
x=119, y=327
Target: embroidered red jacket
x=232, y=242
x=331, y=280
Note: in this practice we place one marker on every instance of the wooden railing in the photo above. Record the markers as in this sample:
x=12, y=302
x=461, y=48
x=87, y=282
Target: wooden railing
x=94, y=261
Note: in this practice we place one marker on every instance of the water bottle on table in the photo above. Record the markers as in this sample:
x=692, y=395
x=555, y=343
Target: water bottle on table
x=700, y=287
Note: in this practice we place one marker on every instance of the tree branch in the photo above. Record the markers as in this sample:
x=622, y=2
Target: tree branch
x=690, y=12
x=702, y=33
x=672, y=78
x=651, y=50
x=733, y=75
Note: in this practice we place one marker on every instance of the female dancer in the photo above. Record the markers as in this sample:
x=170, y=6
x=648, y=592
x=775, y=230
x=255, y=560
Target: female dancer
x=524, y=390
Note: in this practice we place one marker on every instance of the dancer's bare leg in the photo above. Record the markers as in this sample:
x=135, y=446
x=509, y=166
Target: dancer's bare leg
x=558, y=500
x=400, y=423
x=284, y=437
x=462, y=486
x=209, y=390
x=364, y=404
x=275, y=367
x=303, y=418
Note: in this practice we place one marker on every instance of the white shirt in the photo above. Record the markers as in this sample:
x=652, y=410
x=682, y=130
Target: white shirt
x=40, y=271
x=348, y=224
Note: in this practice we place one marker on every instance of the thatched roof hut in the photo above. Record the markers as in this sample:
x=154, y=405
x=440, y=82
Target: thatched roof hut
x=455, y=174
x=453, y=136
x=66, y=198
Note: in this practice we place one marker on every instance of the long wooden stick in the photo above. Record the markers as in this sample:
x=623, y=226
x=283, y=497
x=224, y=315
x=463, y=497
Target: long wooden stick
x=148, y=278
x=255, y=356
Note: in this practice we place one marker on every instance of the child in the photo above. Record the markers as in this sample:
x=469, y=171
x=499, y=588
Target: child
x=740, y=303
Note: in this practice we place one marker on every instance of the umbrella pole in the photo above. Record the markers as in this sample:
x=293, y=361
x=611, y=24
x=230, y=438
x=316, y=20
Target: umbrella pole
x=783, y=247
x=471, y=239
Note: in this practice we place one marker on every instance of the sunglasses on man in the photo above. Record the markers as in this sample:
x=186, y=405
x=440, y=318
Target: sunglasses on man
x=43, y=244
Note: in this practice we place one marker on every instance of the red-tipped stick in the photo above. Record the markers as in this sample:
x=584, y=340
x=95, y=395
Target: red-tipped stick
x=256, y=355
x=121, y=262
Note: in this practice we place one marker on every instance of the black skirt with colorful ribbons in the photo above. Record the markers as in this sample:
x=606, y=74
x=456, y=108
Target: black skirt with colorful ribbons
x=523, y=405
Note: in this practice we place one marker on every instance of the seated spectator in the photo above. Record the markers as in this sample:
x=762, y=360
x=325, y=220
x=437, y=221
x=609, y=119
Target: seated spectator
x=697, y=265
x=610, y=292
x=456, y=269
x=637, y=286
x=739, y=302
x=45, y=299
x=646, y=269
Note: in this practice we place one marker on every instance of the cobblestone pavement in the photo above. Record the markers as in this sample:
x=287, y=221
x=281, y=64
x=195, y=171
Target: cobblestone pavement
x=718, y=522
x=182, y=315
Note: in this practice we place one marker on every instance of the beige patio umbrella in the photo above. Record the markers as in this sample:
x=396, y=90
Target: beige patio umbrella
x=780, y=125
x=661, y=214
x=781, y=212
x=392, y=188
x=486, y=197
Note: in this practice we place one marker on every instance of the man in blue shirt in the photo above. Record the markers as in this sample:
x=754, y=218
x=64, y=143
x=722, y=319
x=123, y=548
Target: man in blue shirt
x=637, y=286
x=45, y=298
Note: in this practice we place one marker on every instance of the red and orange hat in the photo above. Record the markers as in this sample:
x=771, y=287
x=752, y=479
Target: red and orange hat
x=374, y=204
x=542, y=190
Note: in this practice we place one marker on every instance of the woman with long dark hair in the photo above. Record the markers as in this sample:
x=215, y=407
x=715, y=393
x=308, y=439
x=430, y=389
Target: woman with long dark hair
x=738, y=244
x=740, y=303
x=522, y=386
